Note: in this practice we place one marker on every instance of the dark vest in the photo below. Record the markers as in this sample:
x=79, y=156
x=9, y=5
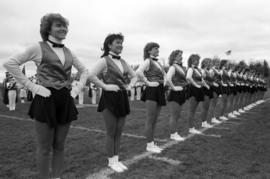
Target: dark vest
x=208, y=78
x=217, y=76
x=51, y=72
x=154, y=74
x=225, y=77
x=179, y=78
x=196, y=77
x=113, y=75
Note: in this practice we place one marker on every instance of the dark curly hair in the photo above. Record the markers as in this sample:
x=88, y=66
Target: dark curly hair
x=149, y=46
x=108, y=41
x=206, y=63
x=223, y=62
x=173, y=55
x=47, y=21
x=192, y=58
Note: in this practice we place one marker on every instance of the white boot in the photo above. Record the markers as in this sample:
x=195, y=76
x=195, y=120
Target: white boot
x=113, y=164
x=151, y=147
x=206, y=125
x=241, y=111
x=215, y=121
x=236, y=113
x=194, y=131
x=231, y=115
x=176, y=137
x=223, y=118
x=120, y=163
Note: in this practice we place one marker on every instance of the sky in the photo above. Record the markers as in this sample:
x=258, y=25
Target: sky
x=206, y=27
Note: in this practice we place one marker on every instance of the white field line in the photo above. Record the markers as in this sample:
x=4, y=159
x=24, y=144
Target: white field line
x=231, y=122
x=210, y=135
x=222, y=128
x=85, y=128
x=167, y=160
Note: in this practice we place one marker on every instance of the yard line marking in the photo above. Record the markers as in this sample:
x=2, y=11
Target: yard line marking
x=167, y=160
x=210, y=135
x=222, y=128
x=87, y=129
x=14, y=117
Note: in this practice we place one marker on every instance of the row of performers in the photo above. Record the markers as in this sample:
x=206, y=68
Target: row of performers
x=239, y=88
x=54, y=62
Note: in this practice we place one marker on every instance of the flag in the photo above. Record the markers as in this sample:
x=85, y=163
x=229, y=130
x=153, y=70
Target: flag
x=23, y=70
x=228, y=52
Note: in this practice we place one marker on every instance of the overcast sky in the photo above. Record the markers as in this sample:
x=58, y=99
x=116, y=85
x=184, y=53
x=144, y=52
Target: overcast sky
x=206, y=27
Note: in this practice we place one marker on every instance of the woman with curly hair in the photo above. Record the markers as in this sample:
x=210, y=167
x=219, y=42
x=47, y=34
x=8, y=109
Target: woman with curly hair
x=216, y=75
x=53, y=107
x=194, y=77
x=208, y=90
x=225, y=88
x=153, y=75
x=176, y=78
x=233, y=91
x=113, y=74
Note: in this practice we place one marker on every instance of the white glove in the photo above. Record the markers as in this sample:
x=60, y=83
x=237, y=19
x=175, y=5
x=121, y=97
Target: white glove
x=77, y=87
x=74, y=92
x=178, y=88
x=111, y=87
x=152, y=84
x=41, y=90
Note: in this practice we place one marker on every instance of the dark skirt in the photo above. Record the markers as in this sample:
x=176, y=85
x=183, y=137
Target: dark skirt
x=116, y=102
x=208, y=92
x=198, y=93
x=234, y=90
x=155, y=94
x=58, y=109
x=217, y=90
x=225, y=90
x=177, y=96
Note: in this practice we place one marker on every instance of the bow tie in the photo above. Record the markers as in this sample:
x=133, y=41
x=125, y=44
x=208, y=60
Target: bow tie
x=155, y=59
x=56, y=44
x=116, y=57
x=180, y=64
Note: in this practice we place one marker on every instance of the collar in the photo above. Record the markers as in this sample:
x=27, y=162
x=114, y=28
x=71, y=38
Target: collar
x=54, y=42
x=114, y=55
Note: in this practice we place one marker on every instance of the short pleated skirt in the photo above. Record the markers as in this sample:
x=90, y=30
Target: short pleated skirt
x=217, y=90
x=178, y=96
x=208, y=92
x=116, y=102
x=234, y=90
x=57, y=109
x=156, y=94
x=225, y=90
x=198, y=93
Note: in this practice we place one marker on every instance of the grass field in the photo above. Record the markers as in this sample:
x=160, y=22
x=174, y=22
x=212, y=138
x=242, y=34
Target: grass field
x=238, y=148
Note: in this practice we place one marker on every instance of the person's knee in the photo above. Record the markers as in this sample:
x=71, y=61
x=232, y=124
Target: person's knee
x=110, y=132
x=44, y=149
